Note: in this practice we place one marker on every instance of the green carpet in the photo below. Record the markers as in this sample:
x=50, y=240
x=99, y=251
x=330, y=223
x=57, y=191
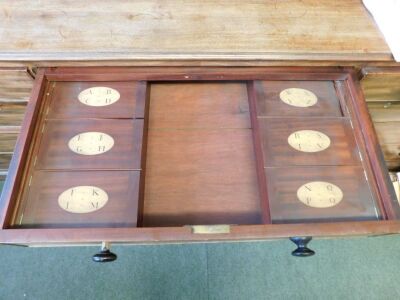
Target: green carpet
x=357, y=268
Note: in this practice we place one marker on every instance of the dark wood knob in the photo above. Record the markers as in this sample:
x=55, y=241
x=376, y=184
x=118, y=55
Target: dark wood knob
x=302, y=249
x=104, y=256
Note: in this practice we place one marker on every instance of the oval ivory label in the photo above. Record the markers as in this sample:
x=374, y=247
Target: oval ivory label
x=309, y=141
x=298, y=97
x=319, y=194
x=82, y=199
x=91, y=143
x=99, y=96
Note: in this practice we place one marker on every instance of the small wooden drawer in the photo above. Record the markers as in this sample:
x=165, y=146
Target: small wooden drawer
x=319, y=194
x=90, y=144
x=123, y=99
x=297, y=98
x=80, y=199
x=301, y=141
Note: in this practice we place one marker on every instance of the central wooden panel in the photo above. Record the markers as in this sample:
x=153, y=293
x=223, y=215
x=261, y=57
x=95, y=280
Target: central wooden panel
x=200, y=157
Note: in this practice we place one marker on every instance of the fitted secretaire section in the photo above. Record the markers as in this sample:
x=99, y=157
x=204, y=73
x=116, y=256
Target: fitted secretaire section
x=311, y=163
x=87, y=165
x=195, y=154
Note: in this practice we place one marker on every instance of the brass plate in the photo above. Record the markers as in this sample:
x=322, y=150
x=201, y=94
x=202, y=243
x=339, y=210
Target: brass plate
x=99, y=96
x=309, y=141
x=298, y=97
x=320, y=194
x=91, y=143
x=82, y=199
x=211, y=229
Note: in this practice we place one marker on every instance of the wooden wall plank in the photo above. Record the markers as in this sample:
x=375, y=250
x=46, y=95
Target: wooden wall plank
x=12, y=113
x=7, y=142
x=16, y=85
x=384, y=111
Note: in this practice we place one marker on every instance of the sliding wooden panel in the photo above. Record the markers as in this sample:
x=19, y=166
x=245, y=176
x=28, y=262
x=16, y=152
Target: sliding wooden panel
x=80, y=199
x=91, y=144
x=97, y=100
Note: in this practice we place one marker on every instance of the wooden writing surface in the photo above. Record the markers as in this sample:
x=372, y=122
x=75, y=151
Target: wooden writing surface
x=170, y=31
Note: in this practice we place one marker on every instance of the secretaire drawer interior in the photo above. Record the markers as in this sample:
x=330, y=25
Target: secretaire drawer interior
x=167, y=148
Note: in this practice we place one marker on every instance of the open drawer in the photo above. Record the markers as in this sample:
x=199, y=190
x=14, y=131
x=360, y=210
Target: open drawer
x=152, y=155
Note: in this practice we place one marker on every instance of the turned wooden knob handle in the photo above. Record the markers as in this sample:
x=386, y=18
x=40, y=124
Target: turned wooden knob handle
x=104, y=256
x=302, y=249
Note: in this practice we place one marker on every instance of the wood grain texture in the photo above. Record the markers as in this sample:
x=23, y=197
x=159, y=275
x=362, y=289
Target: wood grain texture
x=11, y=113
x=201, y=177
x=7, y=142
x=277, y=152
x=159, y=235
x=388, y=132
x=391, y=153
x=200, y=157
x=382, y=86
x=384, y=111
x=199, y=106
x=40, y=206
x=283, y=183
x=54, y=153
x=389, y=139
x=190, y=30
x=65, y=103
x=5, y=159
x=23, y=150
x=15, y=83
x=270, y=104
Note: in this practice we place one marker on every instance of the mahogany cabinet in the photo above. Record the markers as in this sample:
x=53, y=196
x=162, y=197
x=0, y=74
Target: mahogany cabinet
x=179, y=154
